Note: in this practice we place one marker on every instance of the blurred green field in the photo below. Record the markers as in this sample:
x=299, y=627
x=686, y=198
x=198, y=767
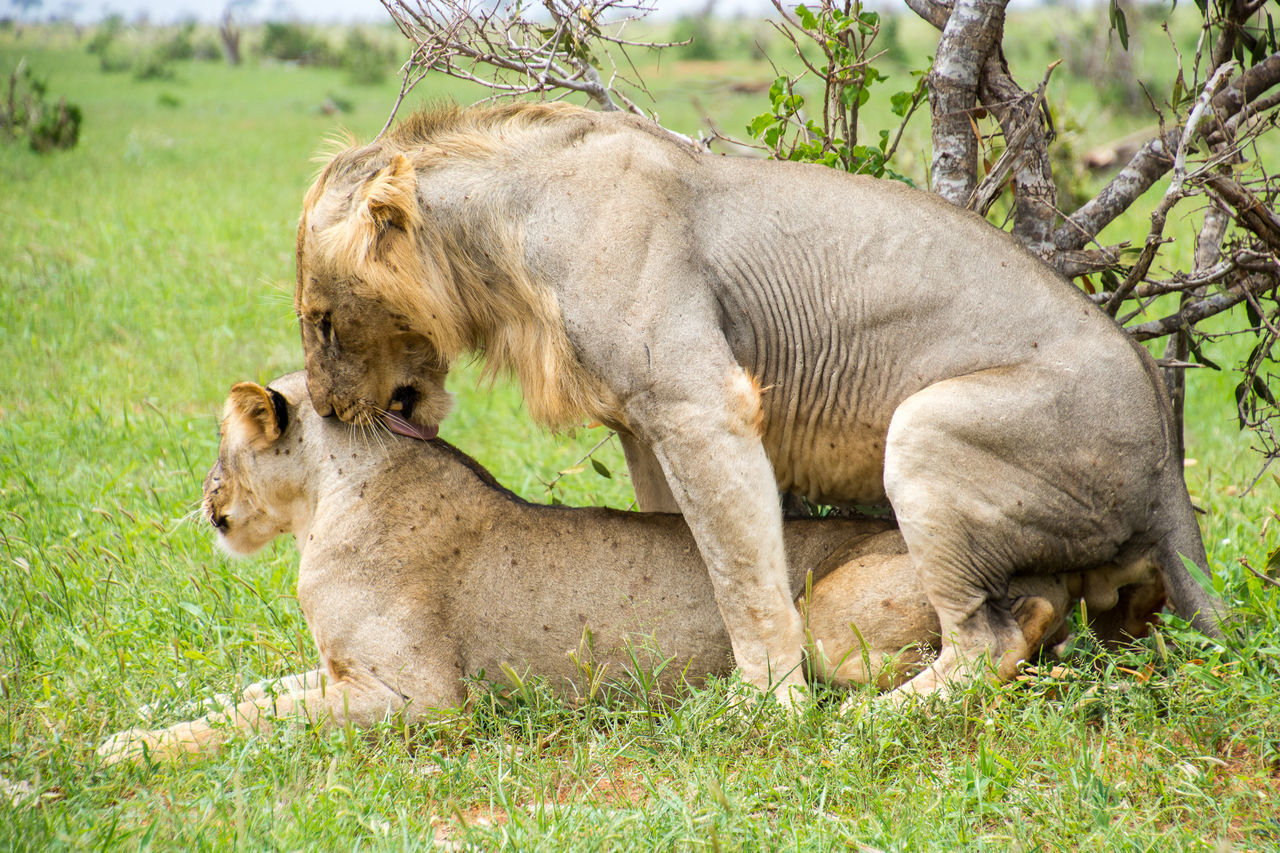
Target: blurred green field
x=147, y=269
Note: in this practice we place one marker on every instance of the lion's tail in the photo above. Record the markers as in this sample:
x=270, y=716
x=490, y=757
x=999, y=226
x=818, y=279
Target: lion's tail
x=1181, y=538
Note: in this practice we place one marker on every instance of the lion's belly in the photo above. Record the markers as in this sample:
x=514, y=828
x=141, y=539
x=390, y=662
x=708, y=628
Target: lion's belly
x=829, y=465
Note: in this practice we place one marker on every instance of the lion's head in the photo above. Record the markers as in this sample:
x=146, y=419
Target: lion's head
x=403, y=265
x=365, y=355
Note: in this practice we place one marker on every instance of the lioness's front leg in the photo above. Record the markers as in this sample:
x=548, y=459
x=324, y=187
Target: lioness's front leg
x=309, y=696
x=708, y=446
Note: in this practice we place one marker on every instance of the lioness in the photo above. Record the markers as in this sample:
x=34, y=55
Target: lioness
x=749, y=326
x=418, y=569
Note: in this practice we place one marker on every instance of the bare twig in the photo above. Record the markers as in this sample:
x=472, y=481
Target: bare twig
x=993, y=184
x=1258, y=574
x=1172, y=195
x=521, y=55
x=1201, y=309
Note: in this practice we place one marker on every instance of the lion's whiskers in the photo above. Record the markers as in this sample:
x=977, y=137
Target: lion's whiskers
x=369, y=429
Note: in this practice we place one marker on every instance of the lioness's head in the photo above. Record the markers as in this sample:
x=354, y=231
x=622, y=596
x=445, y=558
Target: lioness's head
x=371, y=344
x=251, y=493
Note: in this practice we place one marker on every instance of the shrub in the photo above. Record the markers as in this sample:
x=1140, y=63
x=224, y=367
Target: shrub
x=365, y=61
x=153, y=67
x=105, y=35
x=25, y=114
x=294, y=43
x=696, y=29
x=179, y=46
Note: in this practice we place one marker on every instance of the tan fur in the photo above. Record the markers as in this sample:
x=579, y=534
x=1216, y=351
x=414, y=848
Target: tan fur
x=248, y=417
x=478, y=296
x=914, y=354
x=417, y=569
x=745, y=390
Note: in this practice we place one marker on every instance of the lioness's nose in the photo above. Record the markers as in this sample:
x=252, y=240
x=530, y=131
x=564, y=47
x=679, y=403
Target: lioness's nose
x=323, y=406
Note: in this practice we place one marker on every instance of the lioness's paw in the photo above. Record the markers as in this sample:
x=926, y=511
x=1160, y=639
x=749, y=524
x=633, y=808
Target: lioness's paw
x=129, y=745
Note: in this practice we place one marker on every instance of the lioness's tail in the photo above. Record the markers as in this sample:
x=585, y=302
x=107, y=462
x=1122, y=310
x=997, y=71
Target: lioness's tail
x=1181, y=538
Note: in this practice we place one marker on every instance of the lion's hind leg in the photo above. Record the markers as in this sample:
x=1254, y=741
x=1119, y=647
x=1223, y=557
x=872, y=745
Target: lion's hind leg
x=995, y=475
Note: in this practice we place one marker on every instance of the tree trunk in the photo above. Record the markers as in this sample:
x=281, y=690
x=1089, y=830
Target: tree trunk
x=230, y=34
x=972, y=30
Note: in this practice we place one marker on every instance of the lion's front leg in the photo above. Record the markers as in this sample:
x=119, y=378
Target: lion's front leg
x=647, y=477
x=710, y=452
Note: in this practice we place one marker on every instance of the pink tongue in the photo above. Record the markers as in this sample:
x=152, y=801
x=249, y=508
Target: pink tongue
x=400, y=426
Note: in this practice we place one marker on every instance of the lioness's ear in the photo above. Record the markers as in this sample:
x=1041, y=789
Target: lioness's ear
x=255, y=414
x=389, y=198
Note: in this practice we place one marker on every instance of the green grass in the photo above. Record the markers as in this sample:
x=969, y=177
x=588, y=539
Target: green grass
x=145, y=271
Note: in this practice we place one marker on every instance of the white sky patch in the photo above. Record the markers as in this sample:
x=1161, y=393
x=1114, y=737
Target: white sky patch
x=311, y=11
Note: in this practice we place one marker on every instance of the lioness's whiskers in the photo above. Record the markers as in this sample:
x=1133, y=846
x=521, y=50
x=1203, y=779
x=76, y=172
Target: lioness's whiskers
x=190, y=515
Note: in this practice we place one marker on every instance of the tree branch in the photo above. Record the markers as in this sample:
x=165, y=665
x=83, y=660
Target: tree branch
x=1250, y=211
x=1196, y=311
x=1172, y=194
x=522, y=55
x=1024, y=123
x=971, y=31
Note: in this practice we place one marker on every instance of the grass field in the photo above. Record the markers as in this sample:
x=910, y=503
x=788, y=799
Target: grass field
x=149, y=268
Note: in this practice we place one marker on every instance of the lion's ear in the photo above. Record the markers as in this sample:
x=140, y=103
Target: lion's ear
x=254, y=414
x=389, y=198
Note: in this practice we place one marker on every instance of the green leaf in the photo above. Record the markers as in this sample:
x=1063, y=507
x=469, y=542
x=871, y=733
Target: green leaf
x=1200, y=357
x=1119, y=24
x=777, y=90
x=1197, y=574
x=759, y=123
x=900, y=102
x=1260, y=389
x=807, y=18
x=601, y=469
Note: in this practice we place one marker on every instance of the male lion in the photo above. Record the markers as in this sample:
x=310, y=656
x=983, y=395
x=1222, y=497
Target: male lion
x=753, y=326
x=418, y=569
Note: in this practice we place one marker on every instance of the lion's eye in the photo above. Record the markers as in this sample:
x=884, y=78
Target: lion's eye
x=327, y=335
